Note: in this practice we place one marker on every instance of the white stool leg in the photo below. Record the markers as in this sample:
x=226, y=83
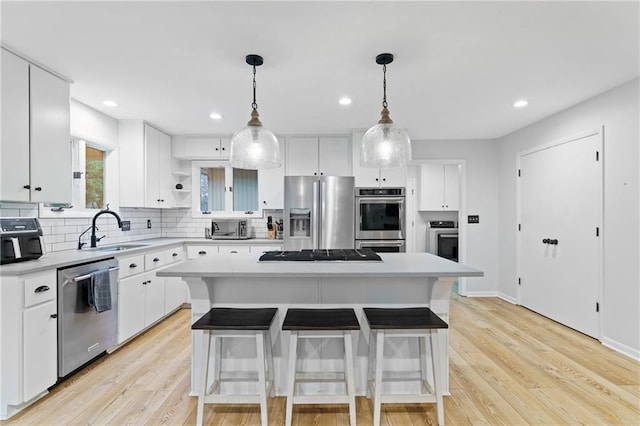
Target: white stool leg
x=262, y=381
x=435, y=337
x=370, y=362
x=422, y=343
x=269, y=362
x=204, y=372
x=377, y=392
x=349, y=376
x=217, y=366
x=291, y=376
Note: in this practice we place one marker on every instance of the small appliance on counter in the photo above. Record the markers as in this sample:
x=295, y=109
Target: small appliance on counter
x=21, y=239
x=228, y=230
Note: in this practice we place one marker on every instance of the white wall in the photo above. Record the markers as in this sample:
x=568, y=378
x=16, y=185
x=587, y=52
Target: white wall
x=481, y=161
x=618, y=111
x=92, y=125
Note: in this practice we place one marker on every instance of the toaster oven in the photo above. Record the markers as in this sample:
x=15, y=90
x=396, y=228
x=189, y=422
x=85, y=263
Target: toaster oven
x=21, y=239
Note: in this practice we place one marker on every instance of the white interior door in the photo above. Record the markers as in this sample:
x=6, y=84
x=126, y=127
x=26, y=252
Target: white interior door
x=560, y=199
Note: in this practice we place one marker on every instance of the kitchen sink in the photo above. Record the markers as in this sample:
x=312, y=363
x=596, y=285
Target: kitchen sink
x=119, y=247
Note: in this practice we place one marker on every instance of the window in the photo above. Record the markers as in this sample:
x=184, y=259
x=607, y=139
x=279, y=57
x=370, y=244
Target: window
x=224, y=190
x=94, y=178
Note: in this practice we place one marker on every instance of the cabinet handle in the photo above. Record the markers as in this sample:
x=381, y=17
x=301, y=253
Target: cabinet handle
x=264, y=202
x=446, y=206
x=38, y=188
x=155, y=259
x=217, y=149
x=315, y=174
x=384, y=179
x=321, y=173
x=144, y=283
x=223, y=149
x=233, y=251
x=54, y=316
x=42, y=289
x=553, y=242
x=545, y=241
x=133, y=265
x=377, y=180
x=27, y=187
x=202, y=252
x=174, y=254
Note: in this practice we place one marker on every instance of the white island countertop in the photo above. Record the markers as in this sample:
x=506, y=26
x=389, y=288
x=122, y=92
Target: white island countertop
x=239, y=265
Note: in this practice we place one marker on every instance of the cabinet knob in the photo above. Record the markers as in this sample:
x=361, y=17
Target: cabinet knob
x=54, y=316
x=384, y=179
x=264, y=202
x=223, y=148
x=38, y=188
x=321, y=173
x=174, y=254
x=27, y=187
x=217, y=149
x=377, y=180
x=315, y=174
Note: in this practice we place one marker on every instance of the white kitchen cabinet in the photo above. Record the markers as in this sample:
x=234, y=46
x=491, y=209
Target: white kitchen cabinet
x=271, y=185
x=35, y=145
x=146, y=166
x=234, y=249
x=197, y=251
x=372, y=176
x=131, y=305
x=29, y=347
x=175, y=290
x=317, y=156
x=439, y=187
x=200, y=147
x=40, y=349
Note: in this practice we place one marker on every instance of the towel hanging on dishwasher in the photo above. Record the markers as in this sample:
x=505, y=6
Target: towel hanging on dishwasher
x=99, y=290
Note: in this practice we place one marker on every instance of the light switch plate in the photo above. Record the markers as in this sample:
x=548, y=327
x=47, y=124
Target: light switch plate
x=473, y=219
x=126, y=225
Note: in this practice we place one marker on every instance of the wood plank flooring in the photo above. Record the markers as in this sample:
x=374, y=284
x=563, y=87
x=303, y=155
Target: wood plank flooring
x=508, y=366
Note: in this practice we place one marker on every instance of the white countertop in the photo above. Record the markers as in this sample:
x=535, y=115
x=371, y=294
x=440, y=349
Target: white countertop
x=243, y=265
x=60, y=259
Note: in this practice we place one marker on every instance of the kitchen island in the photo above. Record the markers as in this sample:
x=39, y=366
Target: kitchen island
x=240, y=280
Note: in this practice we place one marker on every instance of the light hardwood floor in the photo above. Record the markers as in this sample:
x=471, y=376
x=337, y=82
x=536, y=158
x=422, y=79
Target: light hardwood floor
x=508, y=366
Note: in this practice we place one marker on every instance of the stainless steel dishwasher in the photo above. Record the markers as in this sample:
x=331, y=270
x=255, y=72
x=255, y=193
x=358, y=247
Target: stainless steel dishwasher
x=83, y=333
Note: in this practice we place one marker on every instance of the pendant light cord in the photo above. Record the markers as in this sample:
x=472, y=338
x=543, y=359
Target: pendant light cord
x=254, y=105
x=384, y=86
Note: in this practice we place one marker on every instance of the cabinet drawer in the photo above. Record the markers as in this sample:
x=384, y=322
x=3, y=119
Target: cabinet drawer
x=154, y=260
x=40, y=288
x=194, y=252
x=233, y=249
x=130, y=265
x=174, y=254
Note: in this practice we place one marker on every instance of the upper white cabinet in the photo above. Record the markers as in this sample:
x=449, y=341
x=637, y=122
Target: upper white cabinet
x=271, y=185
x=35, y=149
x=146, y=166
x=375, y=177
x=439, y=187
x=200, y=147
x=317, y=156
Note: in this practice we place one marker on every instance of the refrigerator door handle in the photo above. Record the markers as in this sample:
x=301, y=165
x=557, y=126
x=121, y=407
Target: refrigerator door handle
x=315, y=222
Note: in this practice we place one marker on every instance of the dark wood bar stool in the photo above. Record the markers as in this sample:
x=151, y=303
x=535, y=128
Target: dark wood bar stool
x=419, y=323
x=221, y=323
x=320, y=324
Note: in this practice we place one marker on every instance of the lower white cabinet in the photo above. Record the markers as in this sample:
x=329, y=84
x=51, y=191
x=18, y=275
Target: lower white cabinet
x=175, y=290
x=40, y=349
x=29, y=338
x=132, y=305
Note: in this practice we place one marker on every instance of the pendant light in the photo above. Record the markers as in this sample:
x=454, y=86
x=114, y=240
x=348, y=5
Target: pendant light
x=385, y=145
x=254, y=147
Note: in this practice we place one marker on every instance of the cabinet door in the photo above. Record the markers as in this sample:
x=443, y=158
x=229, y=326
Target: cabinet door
x=174, y=293
x=40, y=349
x=334, y=157
x=165, y=178
x=393, y=177
x=432, y=187
x=302, y=157
x=14, y=145
x=50, y=149
x=152, y=167
x=194, y=252
x=154, y=298
x=365, y=176
x=451, y=187
x=225, y=147
x=131, y=303
x=202, y=148
x=271, y=186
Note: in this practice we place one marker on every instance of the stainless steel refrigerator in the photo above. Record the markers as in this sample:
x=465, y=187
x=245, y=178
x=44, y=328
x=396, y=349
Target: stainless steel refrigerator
x=319, y=212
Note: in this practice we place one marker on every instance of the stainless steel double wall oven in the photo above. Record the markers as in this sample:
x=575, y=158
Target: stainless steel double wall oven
x=380, y=219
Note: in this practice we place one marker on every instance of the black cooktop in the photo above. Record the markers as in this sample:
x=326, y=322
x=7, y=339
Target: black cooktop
x=321, y=255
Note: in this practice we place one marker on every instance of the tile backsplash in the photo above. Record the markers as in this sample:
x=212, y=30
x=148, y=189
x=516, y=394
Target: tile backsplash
x=63, y=233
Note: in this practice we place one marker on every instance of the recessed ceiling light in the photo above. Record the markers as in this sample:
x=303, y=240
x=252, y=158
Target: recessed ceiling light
x=110, y=103
x=215, y=116
x=345, y=101
x=520, y=103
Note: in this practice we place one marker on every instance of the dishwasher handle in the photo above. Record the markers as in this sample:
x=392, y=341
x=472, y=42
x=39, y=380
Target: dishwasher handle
x=84, y=277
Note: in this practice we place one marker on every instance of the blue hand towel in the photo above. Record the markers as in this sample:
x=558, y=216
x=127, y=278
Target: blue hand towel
x=101, y=290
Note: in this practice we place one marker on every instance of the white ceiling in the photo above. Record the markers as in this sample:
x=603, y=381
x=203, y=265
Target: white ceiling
x=458, y=68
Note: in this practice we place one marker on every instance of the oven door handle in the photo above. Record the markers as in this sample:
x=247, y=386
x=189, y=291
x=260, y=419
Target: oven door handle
x=385, y=243
x=448, y=236
x=381, y=200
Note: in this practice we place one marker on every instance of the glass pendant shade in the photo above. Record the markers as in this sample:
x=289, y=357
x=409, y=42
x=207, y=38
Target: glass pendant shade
x=253, y=148
x=385, y=146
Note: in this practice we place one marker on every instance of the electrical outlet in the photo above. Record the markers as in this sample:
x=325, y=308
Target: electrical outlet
x=126, y=225
x=148, y=223
x=473, y=219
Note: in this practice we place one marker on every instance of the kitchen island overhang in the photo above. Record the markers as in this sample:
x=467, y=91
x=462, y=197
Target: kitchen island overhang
x=401, y=279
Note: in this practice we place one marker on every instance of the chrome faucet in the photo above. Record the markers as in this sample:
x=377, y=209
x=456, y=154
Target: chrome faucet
x=94, y=240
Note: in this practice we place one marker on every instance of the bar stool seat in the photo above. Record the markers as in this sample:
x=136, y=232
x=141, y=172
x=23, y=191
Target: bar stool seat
x=419, y=323
x=320, y=324
x=220, y=323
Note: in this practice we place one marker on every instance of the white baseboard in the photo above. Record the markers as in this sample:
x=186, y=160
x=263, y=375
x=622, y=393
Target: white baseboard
x=508, y=298
x=622, y=348
x=482, y=294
